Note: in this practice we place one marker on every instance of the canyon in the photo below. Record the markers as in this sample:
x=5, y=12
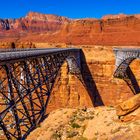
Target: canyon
x=109, y=30
x=97, y=38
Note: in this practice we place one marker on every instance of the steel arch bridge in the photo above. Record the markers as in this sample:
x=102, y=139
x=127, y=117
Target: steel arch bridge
x=27, y=77
x=124, y=58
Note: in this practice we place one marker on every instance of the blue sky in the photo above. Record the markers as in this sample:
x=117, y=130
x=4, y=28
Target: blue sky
x=68, y=8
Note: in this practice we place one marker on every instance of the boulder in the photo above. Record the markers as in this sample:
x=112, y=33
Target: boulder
x=128, y=106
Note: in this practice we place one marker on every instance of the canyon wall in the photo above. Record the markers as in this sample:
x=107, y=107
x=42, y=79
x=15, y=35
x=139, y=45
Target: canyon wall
x=36, y=27
x=96, y=38
x=101, y=63
x=100, y=88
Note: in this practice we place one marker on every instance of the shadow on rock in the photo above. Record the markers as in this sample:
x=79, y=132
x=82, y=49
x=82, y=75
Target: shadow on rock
x=89, y=83
x=132, y=81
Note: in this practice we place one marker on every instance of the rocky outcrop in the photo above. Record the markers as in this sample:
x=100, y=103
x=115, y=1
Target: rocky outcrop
x=110, y=30
x=99, y=88
x=65, y=92
x=119, y=16
x=128, y=106
x=85, y=124
x=33, y=22
x=129, y=109
x=97, y=61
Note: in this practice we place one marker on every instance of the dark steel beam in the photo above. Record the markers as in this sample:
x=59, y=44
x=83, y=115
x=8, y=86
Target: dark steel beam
x=28, y=79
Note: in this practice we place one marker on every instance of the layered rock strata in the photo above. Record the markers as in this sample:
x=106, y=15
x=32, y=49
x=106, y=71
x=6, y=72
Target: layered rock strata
x=110, y=30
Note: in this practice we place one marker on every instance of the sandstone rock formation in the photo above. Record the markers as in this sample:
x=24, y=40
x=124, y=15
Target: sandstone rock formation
x=110, y=30
x=98, y=62
x=98, y=65
x=101, y=88
x=128, y=105
x=68, y=91
x=129, y=109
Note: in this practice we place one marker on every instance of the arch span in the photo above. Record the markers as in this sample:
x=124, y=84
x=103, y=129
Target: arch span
x=124, y=57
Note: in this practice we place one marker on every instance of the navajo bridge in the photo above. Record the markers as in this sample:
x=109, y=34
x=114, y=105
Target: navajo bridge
x=27, y=77
x=124, y=57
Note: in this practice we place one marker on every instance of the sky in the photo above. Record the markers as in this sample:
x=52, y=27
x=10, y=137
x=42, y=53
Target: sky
x=68, y=8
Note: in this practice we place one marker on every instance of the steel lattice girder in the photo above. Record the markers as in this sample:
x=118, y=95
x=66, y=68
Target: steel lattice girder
x=26, y=79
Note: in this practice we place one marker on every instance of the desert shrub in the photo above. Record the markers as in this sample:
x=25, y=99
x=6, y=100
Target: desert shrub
x=75, y=125
x=72, y=134
x=55, y=136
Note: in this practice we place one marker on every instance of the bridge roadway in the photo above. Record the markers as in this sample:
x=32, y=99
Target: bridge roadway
x=15, y=54
x=27, y=77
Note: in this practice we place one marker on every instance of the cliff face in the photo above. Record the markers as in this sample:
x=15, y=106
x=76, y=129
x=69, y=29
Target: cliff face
x=33, y=22
x=98, y=64
x=100, y=88
x=110, y=30
x=65, y=92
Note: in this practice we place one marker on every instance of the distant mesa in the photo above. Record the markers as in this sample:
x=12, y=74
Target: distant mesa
x=118, y=29
x=114, y=16
x=44, y=17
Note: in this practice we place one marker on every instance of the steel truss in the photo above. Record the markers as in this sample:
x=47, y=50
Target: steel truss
x=25, y=87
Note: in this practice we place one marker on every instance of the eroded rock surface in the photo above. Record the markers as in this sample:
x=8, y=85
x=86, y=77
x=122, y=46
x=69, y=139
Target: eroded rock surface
x=128, y=106
x=110, y=30
x=129, y=109
x=86, y=124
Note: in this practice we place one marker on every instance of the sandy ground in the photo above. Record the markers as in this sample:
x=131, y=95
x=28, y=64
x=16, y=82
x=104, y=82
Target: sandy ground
x=99, y=123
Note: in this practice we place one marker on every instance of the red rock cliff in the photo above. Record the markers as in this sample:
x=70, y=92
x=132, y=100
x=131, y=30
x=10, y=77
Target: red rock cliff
x=110, y=30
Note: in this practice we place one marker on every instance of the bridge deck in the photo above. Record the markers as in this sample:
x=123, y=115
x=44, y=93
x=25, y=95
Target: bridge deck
x=12, y=54
x=127, y=49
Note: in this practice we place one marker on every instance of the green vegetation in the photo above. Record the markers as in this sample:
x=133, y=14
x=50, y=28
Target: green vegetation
x=81, y=119
x=72, y=134
x=75, y=125
x=89, y=117
x=55, y=136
